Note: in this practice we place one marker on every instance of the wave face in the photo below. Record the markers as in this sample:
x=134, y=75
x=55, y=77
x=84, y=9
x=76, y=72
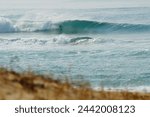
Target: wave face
x=83, y=26
x=71, y=27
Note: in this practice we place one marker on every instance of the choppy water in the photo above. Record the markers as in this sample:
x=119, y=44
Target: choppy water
x=109, y=47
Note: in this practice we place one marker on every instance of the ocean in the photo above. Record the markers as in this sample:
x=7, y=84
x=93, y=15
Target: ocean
x=107, y=47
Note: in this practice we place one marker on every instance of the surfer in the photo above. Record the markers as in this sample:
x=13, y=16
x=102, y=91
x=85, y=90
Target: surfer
x=60, y=29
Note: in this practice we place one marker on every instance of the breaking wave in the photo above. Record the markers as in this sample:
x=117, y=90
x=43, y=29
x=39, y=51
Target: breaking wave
x=6, y=26
x=70, y=27
x=62, y=40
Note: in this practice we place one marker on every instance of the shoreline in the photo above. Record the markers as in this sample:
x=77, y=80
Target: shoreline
x=30, y=86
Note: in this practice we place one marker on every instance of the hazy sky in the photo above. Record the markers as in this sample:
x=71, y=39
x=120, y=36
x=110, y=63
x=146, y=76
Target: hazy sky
x=72, y=3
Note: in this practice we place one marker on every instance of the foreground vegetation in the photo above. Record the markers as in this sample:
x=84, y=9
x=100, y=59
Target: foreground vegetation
x=31, y=86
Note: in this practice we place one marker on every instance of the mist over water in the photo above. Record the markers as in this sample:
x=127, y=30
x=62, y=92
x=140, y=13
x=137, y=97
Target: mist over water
x=108, y=46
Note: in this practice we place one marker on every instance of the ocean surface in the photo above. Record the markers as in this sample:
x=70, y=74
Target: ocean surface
x=107, y=47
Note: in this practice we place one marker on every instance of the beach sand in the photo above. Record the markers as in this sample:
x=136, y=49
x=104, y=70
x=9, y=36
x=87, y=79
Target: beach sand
x=19, y=86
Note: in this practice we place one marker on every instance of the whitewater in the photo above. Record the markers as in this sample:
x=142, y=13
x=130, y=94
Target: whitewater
x=108, y=47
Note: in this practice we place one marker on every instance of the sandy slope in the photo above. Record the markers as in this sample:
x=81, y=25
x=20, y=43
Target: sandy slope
x=30, y=86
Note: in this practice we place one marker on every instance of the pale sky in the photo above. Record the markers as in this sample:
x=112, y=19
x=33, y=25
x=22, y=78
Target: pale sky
x=72, y=3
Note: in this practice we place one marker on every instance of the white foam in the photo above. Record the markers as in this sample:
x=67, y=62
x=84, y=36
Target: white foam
x=6, y=25
x=131, y=89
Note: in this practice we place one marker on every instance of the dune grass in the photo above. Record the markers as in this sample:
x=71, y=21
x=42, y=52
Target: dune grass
x=19, y=86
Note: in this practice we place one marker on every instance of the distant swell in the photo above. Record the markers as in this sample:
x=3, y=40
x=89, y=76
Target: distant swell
x=70, y=27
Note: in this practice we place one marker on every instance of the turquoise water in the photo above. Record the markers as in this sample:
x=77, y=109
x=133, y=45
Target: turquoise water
x=109, y=47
